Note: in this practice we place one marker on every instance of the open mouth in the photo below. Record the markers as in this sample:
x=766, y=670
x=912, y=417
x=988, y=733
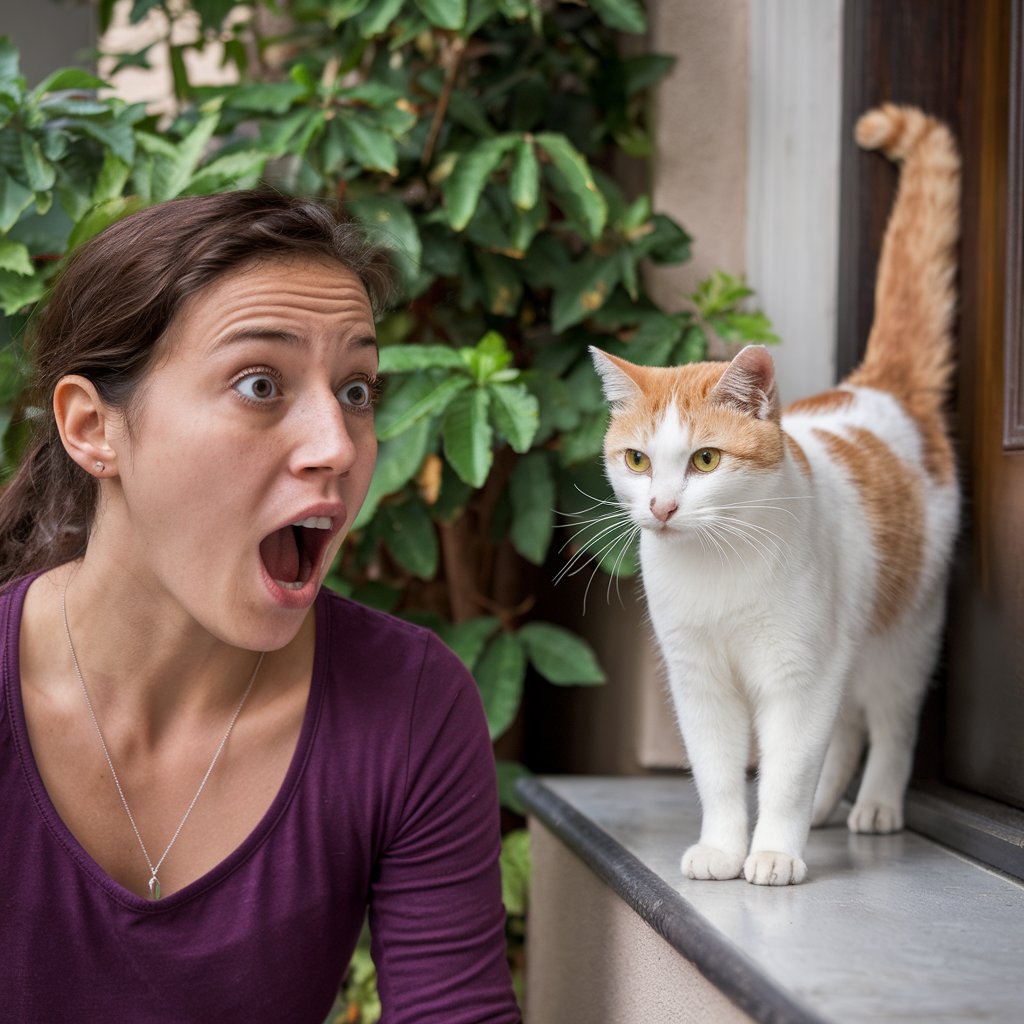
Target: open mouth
x=293, y=554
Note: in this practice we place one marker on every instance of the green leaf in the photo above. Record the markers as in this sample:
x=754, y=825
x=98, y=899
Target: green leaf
x=532, y=492
x=584, y=289
x=500, y=674
x=379, y=17
x=560, y=656
x=503, y=287
x=372, y=147
x=410, y=536
x=339, y=11
x=398, y=461
x=39, y=173
x=391, y=224
x=100, y=217
x=409, y=358
x=449, y=14
x=488, y=358
x=140, y=8
x=623, y=15
x=751, y=328
x=516, y=868
x=467, y=435
x=15, y=257
x=719, y=293
x=117, y=136
x=467, y=639
x=579, y=187
x=428, y=399
x=524, y=182
x=463, y=186
x=66, y=79
x=226, y=170
x=509, y=773
x=18, y=291
x=112, y=178
x=515, y=414
x=266, y=97
x=8, y=60
x=14, y=200
x=646, y=70
x=172, y=175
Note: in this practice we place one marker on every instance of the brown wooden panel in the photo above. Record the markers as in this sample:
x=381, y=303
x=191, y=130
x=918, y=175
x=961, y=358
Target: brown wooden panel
x=903, y=51
x=1013, y=426
x=985, y=682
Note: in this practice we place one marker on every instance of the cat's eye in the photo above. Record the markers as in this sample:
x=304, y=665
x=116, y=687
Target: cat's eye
x=706, y=459
x=637, y=461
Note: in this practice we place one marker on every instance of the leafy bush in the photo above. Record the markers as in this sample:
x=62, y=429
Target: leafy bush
x=476, y=138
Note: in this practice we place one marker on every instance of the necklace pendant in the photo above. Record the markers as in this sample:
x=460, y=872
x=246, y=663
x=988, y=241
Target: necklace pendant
x=154, y=888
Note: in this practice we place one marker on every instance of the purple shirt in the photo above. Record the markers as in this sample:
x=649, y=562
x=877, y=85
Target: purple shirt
x=389, y=803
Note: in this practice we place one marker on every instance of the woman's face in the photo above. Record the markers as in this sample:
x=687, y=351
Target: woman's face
x=251, y=448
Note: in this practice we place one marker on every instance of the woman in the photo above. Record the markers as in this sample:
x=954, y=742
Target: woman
x=209, y=766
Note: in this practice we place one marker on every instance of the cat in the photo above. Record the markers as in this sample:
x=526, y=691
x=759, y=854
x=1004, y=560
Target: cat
x=794, y=562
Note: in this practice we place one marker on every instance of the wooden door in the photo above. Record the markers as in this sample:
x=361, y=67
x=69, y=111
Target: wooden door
x=954, y=59
x=985, y=680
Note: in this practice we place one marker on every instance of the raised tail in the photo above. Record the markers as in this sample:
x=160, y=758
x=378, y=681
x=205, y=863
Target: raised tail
x=910, y=348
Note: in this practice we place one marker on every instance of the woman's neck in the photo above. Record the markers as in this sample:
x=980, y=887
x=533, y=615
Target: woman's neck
x=143, y=659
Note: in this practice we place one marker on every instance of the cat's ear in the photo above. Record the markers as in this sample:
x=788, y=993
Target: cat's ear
x=749, y=384
x=618, y=385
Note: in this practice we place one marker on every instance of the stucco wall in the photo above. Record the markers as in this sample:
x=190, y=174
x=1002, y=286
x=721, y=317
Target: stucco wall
x=592, y=959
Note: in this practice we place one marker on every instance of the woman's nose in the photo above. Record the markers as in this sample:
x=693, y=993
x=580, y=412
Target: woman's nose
x=324, y=443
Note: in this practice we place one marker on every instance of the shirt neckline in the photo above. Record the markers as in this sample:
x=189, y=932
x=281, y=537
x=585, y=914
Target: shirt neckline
x=14, y=600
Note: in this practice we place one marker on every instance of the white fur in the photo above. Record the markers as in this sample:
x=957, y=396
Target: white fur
x=762, y=610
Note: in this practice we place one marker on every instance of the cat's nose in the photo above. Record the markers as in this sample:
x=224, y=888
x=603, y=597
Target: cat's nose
x=663, y=513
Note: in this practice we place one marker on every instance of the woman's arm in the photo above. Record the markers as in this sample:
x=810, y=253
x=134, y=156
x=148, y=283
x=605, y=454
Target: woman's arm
x=436, y=917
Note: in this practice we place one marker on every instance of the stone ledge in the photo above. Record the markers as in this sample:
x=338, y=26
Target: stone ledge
x=886, y=927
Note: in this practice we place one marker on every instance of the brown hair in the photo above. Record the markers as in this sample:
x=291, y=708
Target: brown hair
x=112, y=304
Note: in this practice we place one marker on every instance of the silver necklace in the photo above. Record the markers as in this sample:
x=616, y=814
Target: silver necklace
x=154, y=882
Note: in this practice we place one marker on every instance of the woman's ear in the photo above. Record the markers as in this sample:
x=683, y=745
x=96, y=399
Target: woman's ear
x=87, y=425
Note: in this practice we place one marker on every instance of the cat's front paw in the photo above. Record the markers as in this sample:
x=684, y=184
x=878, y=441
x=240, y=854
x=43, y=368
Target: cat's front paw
x=708, y=862
x=875, y=817
x=767, y=867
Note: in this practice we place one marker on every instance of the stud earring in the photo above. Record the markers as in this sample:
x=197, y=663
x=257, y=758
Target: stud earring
x=99, y=466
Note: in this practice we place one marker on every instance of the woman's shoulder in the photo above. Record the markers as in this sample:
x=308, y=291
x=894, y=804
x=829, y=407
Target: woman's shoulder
x=384, y=649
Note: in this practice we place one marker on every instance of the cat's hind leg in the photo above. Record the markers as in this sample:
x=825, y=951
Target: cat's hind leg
x=841, y=760
x=891, y=688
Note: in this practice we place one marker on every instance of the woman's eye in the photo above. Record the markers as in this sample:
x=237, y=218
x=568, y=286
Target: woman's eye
x=356, y=393
x=258, y=387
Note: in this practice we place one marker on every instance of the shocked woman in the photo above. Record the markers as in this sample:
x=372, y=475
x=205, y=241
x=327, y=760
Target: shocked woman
x=211, y=767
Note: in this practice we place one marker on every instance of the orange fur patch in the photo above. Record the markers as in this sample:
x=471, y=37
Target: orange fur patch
x=828, y=401
x=798, y=454
x=757, y=442
x=891, y=497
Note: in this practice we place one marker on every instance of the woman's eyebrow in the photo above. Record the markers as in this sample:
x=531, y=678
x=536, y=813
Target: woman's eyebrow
x=241, y=334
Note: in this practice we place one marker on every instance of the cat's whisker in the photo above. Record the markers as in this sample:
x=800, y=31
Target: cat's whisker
x=582, y=528
x=626, y=545
x=779, y=544
x=758, y=546
x=727, y=529
x=587, y=550
x=598, y=558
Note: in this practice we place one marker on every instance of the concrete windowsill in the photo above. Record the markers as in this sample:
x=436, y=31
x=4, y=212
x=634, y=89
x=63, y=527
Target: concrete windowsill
x=887, y=928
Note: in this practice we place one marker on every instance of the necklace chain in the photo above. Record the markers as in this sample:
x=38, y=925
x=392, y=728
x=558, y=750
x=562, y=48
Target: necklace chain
x=154, y=883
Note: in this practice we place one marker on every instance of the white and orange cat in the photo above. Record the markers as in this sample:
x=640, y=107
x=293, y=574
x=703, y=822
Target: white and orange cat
x=795, y=561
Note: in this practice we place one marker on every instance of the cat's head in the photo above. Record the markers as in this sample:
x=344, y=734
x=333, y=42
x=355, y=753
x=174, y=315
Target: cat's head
x=686, y=441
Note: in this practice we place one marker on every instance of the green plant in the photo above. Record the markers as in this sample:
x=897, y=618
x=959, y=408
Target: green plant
x=477, y=139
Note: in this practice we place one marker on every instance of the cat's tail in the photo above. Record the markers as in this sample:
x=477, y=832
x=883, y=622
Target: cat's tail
x=910, y=347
